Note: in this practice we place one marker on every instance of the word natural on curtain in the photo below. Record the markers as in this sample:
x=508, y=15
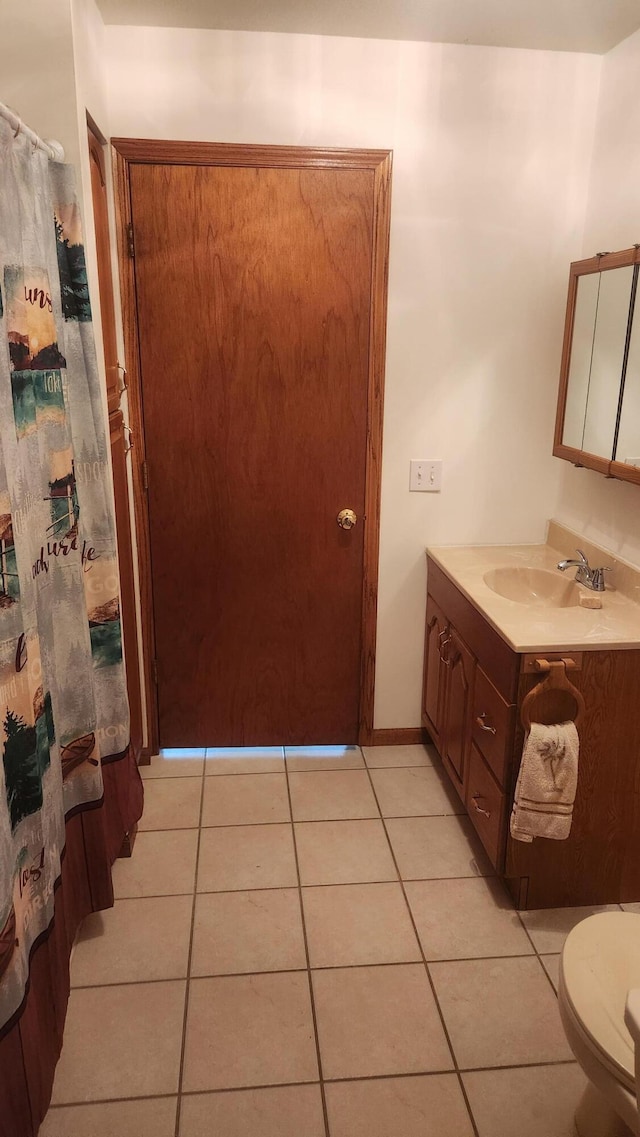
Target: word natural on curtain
x=63, y=707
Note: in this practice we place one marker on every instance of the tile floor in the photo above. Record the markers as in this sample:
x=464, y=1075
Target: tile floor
x=308, y=944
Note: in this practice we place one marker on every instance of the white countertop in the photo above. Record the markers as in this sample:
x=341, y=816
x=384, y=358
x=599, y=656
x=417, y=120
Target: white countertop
x=533, y=627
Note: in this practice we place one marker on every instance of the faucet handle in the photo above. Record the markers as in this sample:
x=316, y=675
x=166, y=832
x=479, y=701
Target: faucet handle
x=597, y=577
x=583, y=557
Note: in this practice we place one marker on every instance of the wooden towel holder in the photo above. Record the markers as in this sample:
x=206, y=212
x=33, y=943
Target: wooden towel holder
x=555, y=681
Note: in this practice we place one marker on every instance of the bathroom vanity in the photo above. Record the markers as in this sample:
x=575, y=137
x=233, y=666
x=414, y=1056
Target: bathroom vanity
x=492, y=612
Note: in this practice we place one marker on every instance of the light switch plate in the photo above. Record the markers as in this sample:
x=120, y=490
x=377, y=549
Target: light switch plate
x=425, y=475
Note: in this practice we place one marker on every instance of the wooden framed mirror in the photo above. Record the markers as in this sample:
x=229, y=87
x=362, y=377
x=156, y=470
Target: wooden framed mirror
x=598, y=417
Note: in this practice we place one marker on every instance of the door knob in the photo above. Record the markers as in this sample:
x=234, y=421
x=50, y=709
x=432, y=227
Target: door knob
x=346, y=519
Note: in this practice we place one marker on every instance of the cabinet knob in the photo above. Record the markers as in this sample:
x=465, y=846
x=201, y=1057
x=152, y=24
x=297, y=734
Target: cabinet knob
x=483, y=725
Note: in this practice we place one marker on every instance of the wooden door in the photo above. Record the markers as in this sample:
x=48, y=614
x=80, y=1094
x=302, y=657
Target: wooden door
x=435, y=634
x=254, y=290
x=457, y=708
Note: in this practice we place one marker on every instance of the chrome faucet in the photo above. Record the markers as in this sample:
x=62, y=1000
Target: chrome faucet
x=592, y=578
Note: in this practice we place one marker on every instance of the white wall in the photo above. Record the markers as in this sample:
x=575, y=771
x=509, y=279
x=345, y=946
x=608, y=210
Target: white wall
x=491, y=152
x=608, y=511
x=37, y=77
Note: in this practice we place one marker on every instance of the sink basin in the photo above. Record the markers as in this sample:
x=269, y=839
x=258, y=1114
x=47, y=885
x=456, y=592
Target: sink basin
x=535, y=586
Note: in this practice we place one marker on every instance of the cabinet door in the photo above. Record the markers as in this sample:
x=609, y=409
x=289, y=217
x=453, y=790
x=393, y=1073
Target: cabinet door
x=434, y=671
x=456, y=725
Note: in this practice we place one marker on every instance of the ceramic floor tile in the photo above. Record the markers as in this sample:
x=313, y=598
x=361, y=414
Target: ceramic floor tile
x=551, y=964
x=343, y=852
x=163, y=864
x=463, y=919
x=377, y=757
x=323, y=757
x=136, y=940
x=280, y=1111
x=249, y=1030
x=533, y=1101
x=252, y=799
x=171, y=803
x=499, y=1012
x=183, y=763
x=433, y=847
x=378, y=1020
x=244, y=760
x=121, y=1042
x=351, y=924
x=549, y=927
x=247, y=931
x=333, y=795
x=148, y=1117
x=429, y=1106
x=247, y=857
x=415, y=791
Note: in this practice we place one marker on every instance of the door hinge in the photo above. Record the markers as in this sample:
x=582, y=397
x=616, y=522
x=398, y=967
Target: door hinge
x=154, y=671
x=145, y=477
x=130, y=242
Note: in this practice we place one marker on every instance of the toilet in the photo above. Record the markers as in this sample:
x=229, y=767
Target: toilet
x=600, y=966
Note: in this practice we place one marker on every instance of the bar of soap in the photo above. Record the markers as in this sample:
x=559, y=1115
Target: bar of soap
x=590, y=601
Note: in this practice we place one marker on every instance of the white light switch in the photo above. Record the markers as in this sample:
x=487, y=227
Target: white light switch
x=425, y=475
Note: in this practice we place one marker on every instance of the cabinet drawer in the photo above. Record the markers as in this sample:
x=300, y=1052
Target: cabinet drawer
x=492, y=725
x=486, y=806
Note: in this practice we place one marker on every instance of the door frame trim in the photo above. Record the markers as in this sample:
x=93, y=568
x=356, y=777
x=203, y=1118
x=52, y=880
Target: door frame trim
x=133, y=151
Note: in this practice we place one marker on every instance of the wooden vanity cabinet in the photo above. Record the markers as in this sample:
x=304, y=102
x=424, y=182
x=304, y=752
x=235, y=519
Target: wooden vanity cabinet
x=474, y=684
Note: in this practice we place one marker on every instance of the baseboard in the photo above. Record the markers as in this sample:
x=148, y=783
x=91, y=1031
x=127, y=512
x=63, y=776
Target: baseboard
x=398, y=736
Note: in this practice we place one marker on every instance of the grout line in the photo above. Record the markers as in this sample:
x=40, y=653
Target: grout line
x=429, y=977
x=419, y=958
x=319, y=884
x=314, y=1082
x=325, y=1113
x=538, y=954
x=300, y=821
x=189, y=957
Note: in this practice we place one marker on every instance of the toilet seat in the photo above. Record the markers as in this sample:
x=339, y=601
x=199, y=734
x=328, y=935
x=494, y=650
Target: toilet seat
x=600, y=963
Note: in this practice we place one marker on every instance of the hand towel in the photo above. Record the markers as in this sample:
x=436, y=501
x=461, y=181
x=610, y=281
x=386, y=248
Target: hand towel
x=546, y=786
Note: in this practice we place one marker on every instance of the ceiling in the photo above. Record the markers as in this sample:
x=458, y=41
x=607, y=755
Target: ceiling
x=556, y=25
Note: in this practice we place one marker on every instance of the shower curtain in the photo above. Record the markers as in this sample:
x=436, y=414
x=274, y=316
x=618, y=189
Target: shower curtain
x=69, y=788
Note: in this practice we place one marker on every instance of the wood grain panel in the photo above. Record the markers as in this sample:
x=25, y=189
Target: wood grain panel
x=168, y=152
x=137, y=456
x=497, y=659
x=373, y=464
x=486, y=806
x=127, y=588
x=492, y=726
x=456, y=722
x=397, y=736
x=117, y=439
x=434, y=673
x=253, y=291
x=105, y=279
x=599, y=863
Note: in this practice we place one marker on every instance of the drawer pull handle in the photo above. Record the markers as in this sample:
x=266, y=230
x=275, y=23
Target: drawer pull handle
x=478, y=808
x=442, y=648
x=482, y=724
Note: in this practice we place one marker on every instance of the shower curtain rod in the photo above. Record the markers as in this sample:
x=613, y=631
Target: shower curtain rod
x=52, y=149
